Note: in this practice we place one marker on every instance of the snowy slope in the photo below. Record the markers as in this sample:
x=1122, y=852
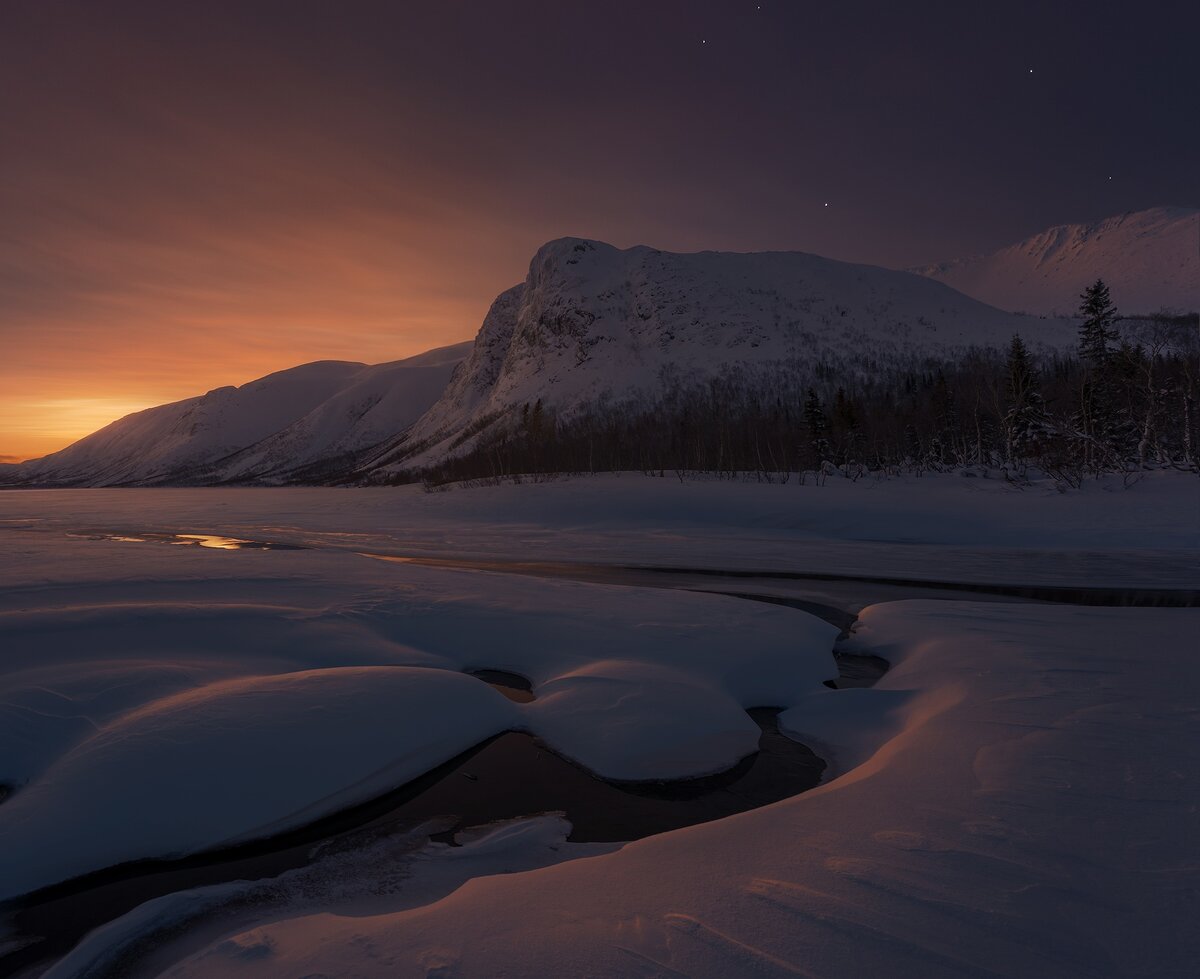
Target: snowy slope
x=153, y=444
x=378, y=403
x=1150, y=259
x=594, y=324
x=278, y=422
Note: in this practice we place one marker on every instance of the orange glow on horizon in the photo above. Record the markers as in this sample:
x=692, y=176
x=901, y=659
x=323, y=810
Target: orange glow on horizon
x=34, y=428
x=126, y=353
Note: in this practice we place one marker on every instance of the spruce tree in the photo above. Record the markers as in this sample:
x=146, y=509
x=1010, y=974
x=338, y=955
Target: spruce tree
x=817, y=424
x=1021, y=376
x=1098, y=410
x=1023, y=419
x=1096, y=332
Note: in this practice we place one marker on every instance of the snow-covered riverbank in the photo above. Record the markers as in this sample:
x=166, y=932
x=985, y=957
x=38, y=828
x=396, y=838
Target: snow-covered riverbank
x=1014, y=797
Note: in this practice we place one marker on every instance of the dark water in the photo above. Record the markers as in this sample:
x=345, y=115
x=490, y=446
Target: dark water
x=514, y=686
x=831, y=596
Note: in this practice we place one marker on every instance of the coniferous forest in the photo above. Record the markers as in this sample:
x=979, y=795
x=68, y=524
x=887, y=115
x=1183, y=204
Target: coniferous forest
x=1124, y=401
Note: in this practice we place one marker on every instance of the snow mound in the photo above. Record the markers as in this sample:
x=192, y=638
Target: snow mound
x=1150, y=260
x=296, y=683
x=1029, y=814
x=240, y=759
x=636, y=721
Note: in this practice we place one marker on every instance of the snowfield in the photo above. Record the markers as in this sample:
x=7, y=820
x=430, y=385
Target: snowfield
x=1016, y=796
x=236, y=712
x=1027, y=816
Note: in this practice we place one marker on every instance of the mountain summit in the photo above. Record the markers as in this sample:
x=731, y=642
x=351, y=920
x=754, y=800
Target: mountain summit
x=1150, y=260
x=594, y=325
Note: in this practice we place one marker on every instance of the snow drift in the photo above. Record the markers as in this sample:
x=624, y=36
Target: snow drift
x=292, y=684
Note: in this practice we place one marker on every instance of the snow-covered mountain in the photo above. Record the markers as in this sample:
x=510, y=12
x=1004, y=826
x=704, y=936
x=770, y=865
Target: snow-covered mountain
x=593, y=324
x=377, y=403
x=1150, y=260
x=274, y=425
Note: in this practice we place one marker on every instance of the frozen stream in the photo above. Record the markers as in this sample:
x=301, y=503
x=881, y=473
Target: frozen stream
x=513, y=774
x=509, y=776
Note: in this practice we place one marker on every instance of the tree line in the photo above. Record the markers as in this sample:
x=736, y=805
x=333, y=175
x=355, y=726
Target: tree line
x=1124, y=401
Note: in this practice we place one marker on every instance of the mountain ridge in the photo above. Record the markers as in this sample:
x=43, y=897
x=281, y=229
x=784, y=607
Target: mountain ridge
x=591, y=326
x=188, y=440
x=1150, y=259
x=594, y=324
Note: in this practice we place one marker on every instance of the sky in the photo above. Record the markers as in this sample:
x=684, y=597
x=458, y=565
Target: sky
x=196, y=194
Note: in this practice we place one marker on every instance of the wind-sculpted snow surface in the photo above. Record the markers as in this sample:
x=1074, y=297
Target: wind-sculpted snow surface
x=1149, y=259
x=593, y=325
x=292, y=684
x=236, y=759
x=1022, y=806
x=1015, y=797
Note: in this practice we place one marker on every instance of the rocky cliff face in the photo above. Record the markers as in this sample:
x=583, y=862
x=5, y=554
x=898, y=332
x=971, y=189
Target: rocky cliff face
x=593, y=324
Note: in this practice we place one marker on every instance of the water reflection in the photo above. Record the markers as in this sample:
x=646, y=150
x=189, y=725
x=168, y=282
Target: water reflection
x=514, y=686
x=218, y=542
x=214, y=541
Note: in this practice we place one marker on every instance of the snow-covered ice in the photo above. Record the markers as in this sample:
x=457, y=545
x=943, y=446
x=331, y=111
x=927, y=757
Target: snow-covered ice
x=192, y=698
x=1031, y=813
x=1015, y=797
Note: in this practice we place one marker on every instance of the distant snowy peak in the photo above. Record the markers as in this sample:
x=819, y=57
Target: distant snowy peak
x=594, y=324
x=271, y=426
x=378, y=403
x=157, y=444
x=1150, y=260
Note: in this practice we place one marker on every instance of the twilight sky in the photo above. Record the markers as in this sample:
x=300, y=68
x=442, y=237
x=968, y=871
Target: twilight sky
x=194, y=194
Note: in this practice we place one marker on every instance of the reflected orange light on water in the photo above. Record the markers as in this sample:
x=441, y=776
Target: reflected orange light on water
x=212, y=540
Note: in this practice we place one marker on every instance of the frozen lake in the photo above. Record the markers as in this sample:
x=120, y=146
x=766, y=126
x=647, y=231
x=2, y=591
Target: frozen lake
x=200, y=671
